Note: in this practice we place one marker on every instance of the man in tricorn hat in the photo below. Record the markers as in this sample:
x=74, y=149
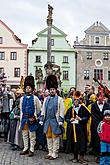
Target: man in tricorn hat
x=52, y=116
x=30, y=106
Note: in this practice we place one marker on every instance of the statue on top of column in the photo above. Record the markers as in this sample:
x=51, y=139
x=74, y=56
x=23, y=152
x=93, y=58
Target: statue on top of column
x=50, y=9
x=49, y=17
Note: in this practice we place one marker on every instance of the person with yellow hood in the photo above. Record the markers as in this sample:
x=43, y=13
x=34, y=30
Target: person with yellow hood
x=77, y=117
x=92, y=99
x=67, y=104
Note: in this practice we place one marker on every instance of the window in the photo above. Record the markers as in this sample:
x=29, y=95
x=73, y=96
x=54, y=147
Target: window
x=86, y=74
x=105, y=56
x=65, y=75
x=52, y=42
x=1, y=40
x=1, y=70
x=108, y=75
x=2, y=55
x=52, y=59
x=16, y=72
x=13, y=56
x=65, y=59
x=98, y=73
x=89, y=55
x=38, y=58
x=97, y=40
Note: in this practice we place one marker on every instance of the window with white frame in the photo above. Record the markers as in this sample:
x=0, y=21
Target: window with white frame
x=52, y=42
x=13, y=56
x=109, y=75
x=98, y=73
x=105, y=56
x=86, y=74
x=53, y=59
x=38, y=58
x=65, y=75
x=97, y=40
x=16, y=72
x=1, y=70
x=2, y=55
x=89, y=55
x=65, y=59
x=1, y=40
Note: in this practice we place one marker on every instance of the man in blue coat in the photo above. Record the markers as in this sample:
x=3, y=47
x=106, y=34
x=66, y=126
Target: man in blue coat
x=52, y=116
x=30, y=106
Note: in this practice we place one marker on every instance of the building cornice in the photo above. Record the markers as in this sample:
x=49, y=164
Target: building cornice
x=53, y=50
x=53, y=35
x=5, y=47
x=91, y=47
x=98, y=33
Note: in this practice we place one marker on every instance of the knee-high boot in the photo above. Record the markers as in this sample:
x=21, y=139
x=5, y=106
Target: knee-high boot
x=25, y=140
x=32, y=136
x=56, y=145
x=50, y=146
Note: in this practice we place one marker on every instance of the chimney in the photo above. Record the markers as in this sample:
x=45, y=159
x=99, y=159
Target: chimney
x=76, y=39
x=76, y=42
x=97, y=23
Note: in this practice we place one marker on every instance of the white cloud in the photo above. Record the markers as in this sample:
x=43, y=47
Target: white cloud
x=28, y=17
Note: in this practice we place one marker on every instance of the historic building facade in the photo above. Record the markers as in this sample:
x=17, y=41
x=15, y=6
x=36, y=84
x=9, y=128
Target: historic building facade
x=13, y=56
x=62, y=56
x=93, y=56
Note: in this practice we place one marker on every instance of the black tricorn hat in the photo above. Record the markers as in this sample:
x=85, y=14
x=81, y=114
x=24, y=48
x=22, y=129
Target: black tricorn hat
x=51, y=82
x=29, y=81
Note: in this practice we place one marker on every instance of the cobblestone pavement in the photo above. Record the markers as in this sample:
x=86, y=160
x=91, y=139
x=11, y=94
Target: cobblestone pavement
x=9, y=157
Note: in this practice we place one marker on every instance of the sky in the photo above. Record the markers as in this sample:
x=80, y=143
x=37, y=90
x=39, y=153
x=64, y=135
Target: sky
x=28, y=17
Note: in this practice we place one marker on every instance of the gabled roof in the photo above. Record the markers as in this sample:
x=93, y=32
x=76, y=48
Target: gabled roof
x=59, y=32
x=17, y=40
x=97, y=27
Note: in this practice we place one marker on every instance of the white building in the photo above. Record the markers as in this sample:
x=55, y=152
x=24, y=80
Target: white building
x=13, y=55
x=62, y=55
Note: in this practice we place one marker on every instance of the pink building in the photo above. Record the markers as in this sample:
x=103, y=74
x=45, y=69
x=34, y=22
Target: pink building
x=13, y=56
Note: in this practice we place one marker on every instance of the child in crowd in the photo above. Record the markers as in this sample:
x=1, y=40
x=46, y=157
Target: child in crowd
x=104, y=134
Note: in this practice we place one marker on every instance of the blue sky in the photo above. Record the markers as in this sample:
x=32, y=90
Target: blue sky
x=27, y=17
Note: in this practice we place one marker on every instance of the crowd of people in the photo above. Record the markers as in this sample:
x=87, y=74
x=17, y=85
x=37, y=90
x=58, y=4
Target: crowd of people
x=69, y=121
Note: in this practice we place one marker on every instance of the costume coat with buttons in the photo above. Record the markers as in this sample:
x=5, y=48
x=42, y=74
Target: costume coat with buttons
x=33, y=110
x=58, y=114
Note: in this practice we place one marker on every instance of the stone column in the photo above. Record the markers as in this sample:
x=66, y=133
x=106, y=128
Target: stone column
x=48, y=66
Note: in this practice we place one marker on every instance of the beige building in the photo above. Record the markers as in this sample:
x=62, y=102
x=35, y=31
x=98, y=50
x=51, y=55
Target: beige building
x=93, y=56
x=13, y=56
